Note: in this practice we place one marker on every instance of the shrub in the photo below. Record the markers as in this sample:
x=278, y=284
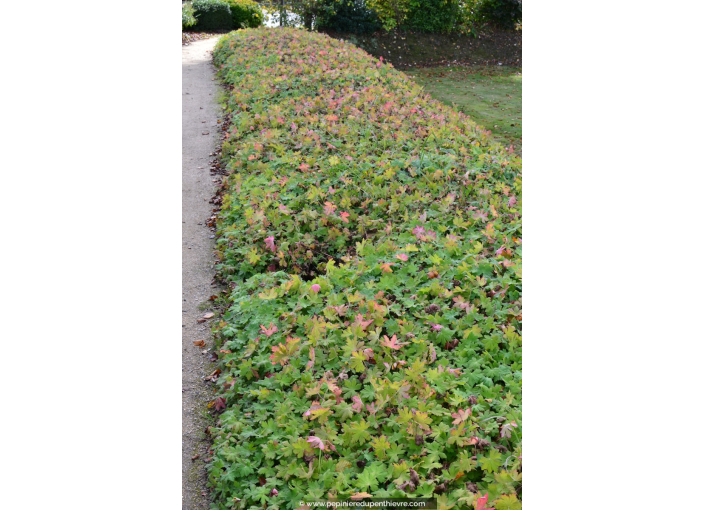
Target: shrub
x=434, y=16
x=391, y=13
x=212, y=15
x=371, y=238
x=503, y=13
x=347, y=16
x=246, y=13
x=187, y=19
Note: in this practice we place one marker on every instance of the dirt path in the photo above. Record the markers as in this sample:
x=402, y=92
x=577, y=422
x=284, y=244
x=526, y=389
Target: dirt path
x=199, y=92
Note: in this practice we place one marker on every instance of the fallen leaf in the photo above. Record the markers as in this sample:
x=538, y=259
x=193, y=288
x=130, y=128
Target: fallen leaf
x=199, y=343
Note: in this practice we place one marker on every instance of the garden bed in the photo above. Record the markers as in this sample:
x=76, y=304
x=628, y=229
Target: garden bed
x=370, y=342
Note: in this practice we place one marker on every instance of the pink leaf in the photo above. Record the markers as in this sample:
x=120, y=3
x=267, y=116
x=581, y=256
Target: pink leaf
x=357, y=406
x=270, y=330
x=344, y=216
x=390, y=343
x=461, y=416
x=480, y=215
x=315, y=288
x=433, y=354
x=359, y=321
x=402, y=256
x=269, y=241
x=316, y=442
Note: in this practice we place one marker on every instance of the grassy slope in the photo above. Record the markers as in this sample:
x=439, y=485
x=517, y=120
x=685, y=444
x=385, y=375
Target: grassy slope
x=491, y=96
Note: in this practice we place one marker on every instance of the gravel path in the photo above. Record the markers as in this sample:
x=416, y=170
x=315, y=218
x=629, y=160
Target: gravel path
x=199, y=116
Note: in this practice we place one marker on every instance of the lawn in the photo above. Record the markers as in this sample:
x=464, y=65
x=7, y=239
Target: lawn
x=490, y=95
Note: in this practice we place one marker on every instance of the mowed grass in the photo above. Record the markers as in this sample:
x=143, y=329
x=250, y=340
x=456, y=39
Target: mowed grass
x=490, y=95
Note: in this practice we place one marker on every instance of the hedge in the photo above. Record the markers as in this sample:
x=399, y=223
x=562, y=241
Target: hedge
x=212, y=15
x=371, y=240
x=246, y=13
x=346, y=16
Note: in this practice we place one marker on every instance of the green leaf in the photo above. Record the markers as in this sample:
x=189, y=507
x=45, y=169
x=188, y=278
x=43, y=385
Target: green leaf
x=508, y=502
x=358, y=432
x=357, y=361
x=367, y=480
x=492, y=462
x=381, y=445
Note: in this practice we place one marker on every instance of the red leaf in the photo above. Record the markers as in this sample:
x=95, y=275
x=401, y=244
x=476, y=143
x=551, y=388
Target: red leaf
x=220, y=404
x=481, y=502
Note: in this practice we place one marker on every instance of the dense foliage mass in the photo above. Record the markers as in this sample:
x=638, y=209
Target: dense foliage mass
x=429, y=16
x=246, y=13
x=212, y=15
x=346, y=16
x=435, y=16
x=371, y=239
x=187, y=18
x=504, y=13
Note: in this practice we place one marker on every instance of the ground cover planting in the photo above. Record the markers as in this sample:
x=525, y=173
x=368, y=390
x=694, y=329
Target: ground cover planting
x=370, y=238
